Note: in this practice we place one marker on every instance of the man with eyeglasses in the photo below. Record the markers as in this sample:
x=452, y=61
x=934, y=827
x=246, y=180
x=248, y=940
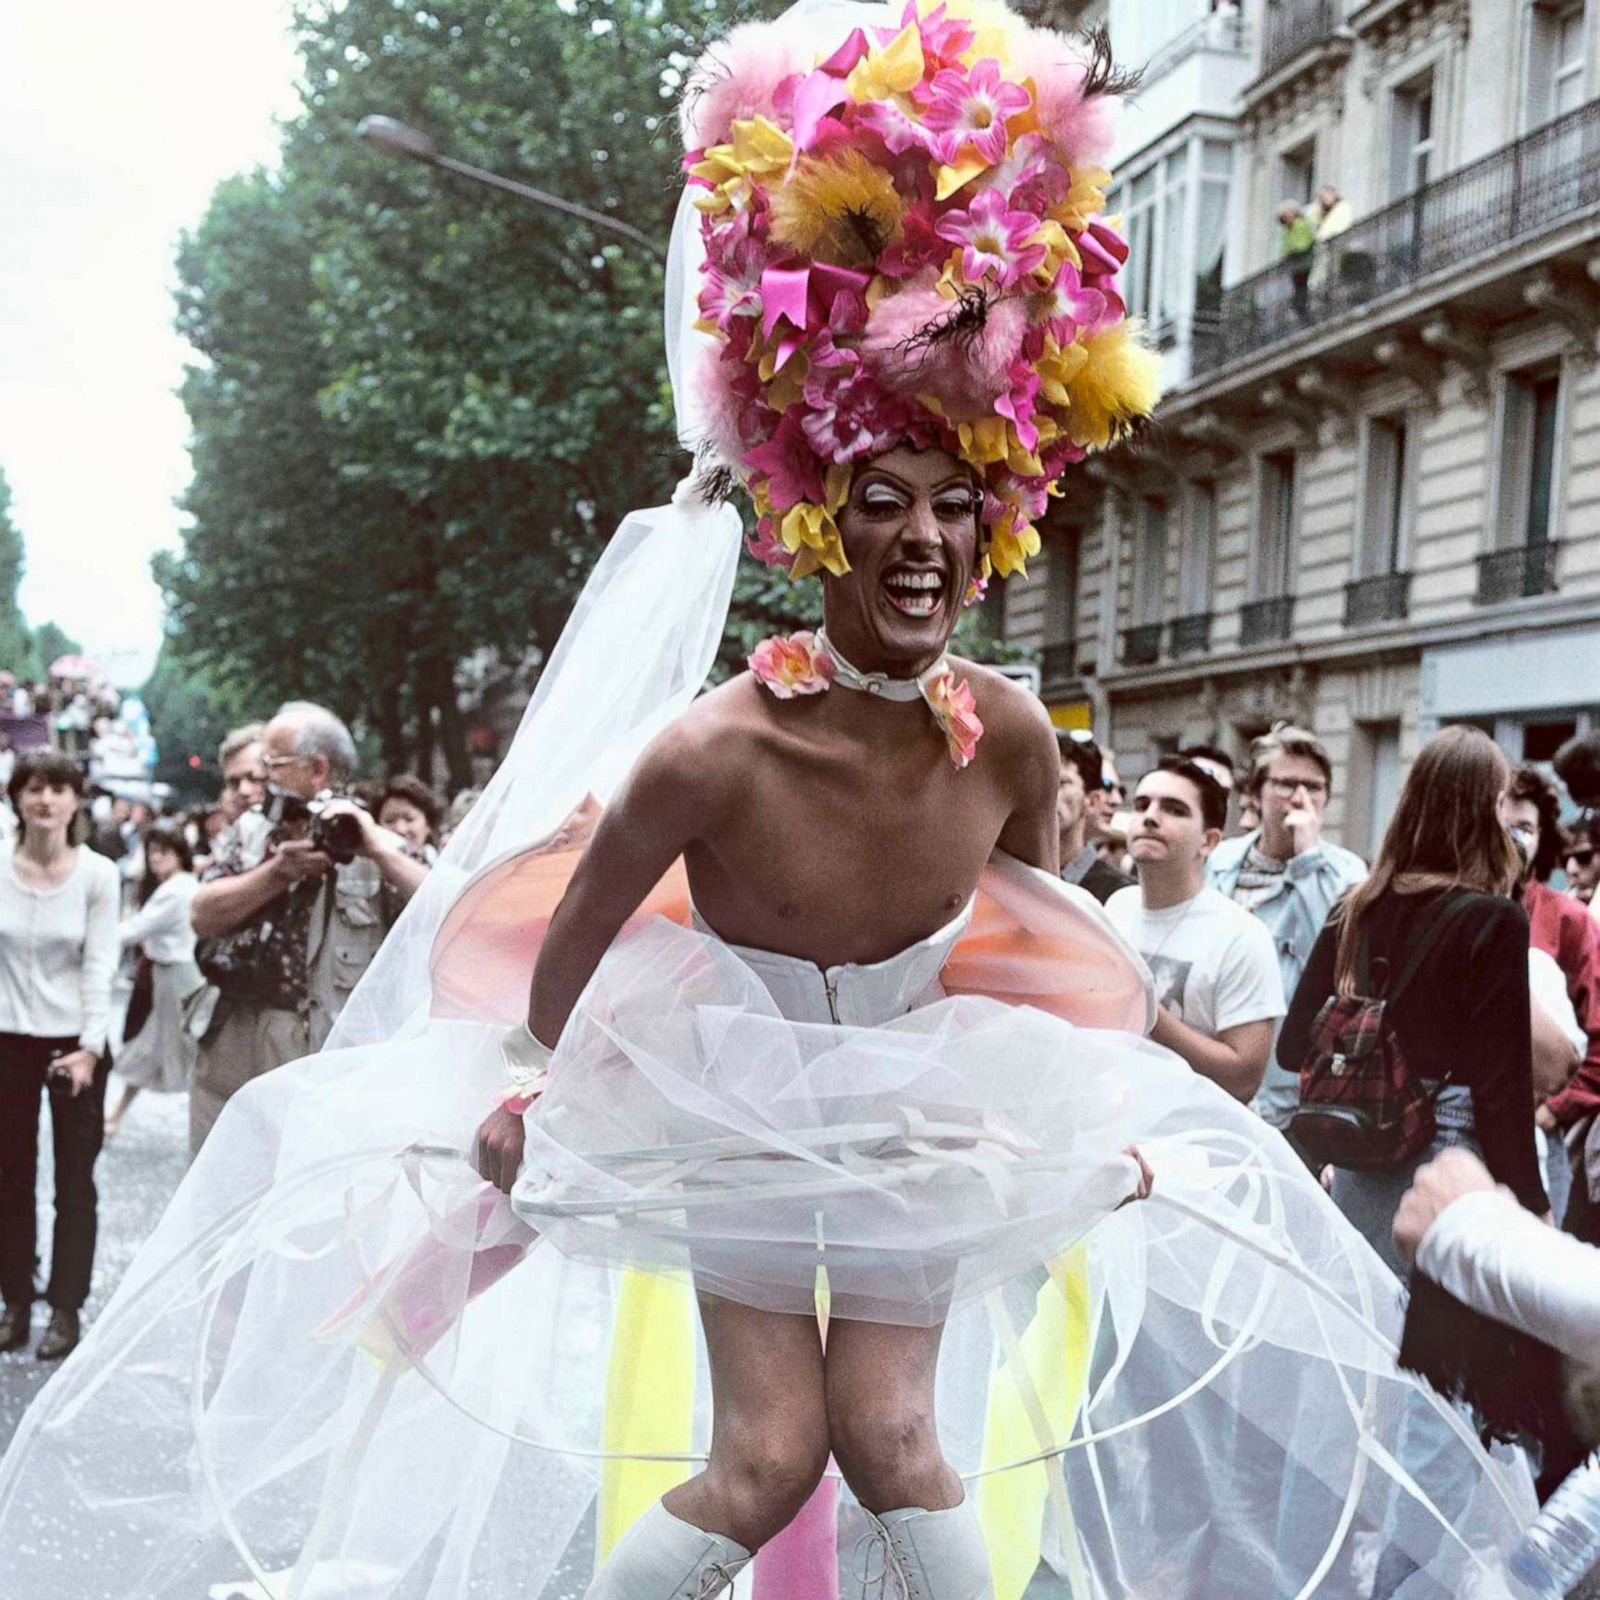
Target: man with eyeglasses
x=286, y=931
x=1286, y=873
x=1580, y=858
x=1079, y=812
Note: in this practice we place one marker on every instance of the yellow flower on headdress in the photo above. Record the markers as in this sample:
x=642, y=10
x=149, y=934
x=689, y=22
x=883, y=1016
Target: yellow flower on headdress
x=813, y=536
x=1084, y=201
x=811, y=532
x=990, y=440
x=759, y=153
x=888, y=70
x=842, y=209
x=1011, y=541
x=1057, y=368
x=1118, y=381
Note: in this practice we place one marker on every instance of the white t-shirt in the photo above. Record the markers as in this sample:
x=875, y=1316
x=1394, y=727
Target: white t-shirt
x=1214, y=964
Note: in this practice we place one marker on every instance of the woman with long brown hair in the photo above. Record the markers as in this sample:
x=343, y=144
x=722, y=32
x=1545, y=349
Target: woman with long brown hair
x=1445, y=873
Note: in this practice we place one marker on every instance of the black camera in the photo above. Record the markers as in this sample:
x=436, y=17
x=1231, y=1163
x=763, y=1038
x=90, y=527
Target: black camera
x=336, y=835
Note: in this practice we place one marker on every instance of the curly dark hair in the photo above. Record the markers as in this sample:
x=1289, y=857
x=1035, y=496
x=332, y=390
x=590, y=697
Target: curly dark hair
x=1528, y=783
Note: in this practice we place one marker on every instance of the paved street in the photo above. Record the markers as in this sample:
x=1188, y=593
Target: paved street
x=136, y=1176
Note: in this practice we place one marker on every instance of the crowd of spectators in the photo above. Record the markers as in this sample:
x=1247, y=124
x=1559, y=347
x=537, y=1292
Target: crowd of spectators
x=234, y=932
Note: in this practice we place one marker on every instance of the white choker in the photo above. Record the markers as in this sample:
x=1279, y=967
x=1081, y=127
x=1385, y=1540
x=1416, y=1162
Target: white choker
x=806, y=664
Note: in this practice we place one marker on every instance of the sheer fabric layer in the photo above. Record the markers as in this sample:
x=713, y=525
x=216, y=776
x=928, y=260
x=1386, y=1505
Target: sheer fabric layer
x=341, y=1355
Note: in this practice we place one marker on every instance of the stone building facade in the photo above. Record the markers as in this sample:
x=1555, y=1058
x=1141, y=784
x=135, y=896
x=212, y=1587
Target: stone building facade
x=1370, y=501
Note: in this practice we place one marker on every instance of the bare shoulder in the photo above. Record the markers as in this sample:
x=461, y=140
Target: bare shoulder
x=692, y=760
x=1011, y=715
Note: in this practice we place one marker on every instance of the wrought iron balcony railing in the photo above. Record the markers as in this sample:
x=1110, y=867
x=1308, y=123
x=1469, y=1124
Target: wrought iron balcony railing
x=1292, y=26
x=1516, y=573
x=1517, y=191
x=1141, y=646
x=1265, y=621
x=1191, y=635
x=1383, y=598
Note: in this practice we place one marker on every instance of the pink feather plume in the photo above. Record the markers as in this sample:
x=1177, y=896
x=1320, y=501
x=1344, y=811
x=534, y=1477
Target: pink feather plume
x=735, y=80
x=967, y=372
x=1083, y=130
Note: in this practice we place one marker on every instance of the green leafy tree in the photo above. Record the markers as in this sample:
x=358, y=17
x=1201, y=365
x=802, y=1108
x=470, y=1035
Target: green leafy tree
x=16, y=641
x=189, y=716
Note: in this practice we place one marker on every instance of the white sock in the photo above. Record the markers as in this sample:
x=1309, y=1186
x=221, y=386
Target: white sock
x=938, y=1555
x=662, y=1557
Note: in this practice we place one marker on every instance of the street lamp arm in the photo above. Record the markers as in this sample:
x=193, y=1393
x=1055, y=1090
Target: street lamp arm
x=554, y=202
x=396, y=138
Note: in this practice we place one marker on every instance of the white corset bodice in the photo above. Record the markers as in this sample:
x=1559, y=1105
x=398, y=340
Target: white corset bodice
x=860, y=994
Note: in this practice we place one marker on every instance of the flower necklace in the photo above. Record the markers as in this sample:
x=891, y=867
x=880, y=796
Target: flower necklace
x=809, y=663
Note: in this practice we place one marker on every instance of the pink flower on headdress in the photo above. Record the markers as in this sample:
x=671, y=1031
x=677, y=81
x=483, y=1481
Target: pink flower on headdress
x=995, y=239
x=971, y=108
x=792, y=472
x=842, y=418
x=898, y=132
x=919, y=244
x=767, y=546
x=793, y=666
x=944, y=38
x=732, y=286
x=956, y=712
x=977, y=590
x=1018, y=402
x=1067, y=306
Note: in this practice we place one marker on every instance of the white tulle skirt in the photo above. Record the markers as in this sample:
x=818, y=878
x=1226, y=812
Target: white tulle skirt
x=345, y=1367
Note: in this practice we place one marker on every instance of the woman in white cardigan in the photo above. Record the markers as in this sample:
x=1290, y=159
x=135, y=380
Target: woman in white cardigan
x=58, y=951
x=160, y=1055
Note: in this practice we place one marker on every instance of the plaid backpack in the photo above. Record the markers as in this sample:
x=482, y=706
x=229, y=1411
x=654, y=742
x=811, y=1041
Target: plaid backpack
x=1361, y=1107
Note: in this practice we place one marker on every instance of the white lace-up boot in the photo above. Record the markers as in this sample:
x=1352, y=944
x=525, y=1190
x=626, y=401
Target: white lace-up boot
x=930, y=1555
x=662, y=1557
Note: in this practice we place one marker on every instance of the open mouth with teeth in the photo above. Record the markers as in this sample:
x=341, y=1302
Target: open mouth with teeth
x=913, y=591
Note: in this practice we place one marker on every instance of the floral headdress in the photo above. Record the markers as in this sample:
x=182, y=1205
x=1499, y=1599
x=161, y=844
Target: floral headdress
x=903, y=244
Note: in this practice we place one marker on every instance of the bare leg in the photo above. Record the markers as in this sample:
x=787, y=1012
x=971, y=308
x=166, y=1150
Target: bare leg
x=114, y=1118
x=879, y=1385
x=769, y=1430
x=881, y=1422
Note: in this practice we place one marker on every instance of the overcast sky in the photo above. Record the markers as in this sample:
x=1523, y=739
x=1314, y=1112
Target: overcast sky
x=116, y=120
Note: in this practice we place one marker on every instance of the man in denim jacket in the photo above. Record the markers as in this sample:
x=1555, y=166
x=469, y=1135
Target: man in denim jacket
x=1286, y=873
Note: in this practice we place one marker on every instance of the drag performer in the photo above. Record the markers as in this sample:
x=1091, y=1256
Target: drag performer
x=807, y=1228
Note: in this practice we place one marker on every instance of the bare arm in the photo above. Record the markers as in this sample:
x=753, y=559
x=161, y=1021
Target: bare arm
x=1555, y=1057
x=225, y=904
x=1031, y=833
x=659, y=809
x=1236, y=1059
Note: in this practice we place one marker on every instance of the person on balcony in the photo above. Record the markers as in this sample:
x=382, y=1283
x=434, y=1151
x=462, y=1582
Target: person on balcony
x=1297, y=236
x=1329, y=215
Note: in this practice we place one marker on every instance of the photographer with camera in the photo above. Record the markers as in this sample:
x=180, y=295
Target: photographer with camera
x=291, y=913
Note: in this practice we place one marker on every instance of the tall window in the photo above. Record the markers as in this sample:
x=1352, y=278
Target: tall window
x=1297, y=173
x=1211, y=230
x=1555, y=60
x=1150, y=561
x=1411, y=144
x=1529, y=427
x=1155, y=206
x=1275, y=524
x=1199, y=548
x=1386, y=507
x=1061, y=590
